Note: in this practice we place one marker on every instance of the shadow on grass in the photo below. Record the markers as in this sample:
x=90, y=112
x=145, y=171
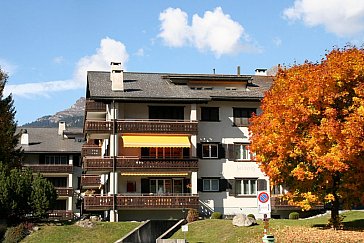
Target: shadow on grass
x=354, y=225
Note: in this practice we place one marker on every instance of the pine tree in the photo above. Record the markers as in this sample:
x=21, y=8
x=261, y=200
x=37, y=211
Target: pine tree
x=9, y=152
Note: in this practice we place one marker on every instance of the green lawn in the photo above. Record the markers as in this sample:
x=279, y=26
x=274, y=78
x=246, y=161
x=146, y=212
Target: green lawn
x=219, y=230
x=102, y=232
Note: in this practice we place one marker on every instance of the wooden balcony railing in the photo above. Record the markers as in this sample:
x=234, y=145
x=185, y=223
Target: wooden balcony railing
x=279, y=203
x=60, y=215
x=64, y=191
x=90, y=181
x=91, y=150
x=95, y=106
x=143, y=126
x=50, y=168
x=133, y=163
x=178, y=201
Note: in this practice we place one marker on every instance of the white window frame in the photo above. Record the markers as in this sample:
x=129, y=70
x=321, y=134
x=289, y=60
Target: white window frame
x=209, y=145
x=242, y=152
x=209, y=183
x=252, y=191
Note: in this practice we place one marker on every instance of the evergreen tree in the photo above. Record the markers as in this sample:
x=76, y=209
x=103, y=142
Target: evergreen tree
x=43, y=196
x=9, y=152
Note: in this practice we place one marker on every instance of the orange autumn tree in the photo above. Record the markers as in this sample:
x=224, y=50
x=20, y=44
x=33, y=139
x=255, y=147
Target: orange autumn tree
x=310, y=135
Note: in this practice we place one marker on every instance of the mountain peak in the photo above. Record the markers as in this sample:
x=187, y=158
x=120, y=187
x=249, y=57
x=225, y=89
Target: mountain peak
x=73, y=116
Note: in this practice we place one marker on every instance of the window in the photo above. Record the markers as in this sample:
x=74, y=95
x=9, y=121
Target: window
x=209, y=150
x=56, y=159
x=165, y=153
x=242, y=116
x=161, y=186
x=166, y=112
x=246, y=186
x=211, y=185
x=241, y=152
x=209, y=113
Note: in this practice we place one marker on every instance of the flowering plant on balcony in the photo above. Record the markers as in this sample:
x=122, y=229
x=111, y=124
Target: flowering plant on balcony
x=189, y=185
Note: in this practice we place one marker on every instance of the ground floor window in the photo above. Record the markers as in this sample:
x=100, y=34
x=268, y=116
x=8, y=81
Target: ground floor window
x=162, y=186
x=246, y=186
x=210, y=185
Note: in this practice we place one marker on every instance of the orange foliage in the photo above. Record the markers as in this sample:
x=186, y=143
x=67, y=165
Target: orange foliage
x=312, y=127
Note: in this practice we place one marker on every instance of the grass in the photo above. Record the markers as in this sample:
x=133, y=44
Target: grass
x=284, y=230
x=102, y=232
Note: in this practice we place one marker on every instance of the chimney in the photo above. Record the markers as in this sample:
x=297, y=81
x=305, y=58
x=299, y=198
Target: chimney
x=238, y=70
x=116, y=77
x=61, y=127
x=24, y=139
x=261, y=71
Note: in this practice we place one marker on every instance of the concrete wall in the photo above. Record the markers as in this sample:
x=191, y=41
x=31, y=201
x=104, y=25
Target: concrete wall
x=156, y=214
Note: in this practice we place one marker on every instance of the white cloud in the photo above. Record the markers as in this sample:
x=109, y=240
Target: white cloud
x=140, y=52
x=58, y=60
x=215, y=32
x=109, y=50
x=7, y=67
x=277, y=41
x=344, y=18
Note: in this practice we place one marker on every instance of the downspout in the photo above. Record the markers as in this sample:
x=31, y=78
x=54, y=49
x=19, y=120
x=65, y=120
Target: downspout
x=114, y=159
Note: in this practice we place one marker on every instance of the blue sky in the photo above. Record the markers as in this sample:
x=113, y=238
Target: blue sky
x=46, y=47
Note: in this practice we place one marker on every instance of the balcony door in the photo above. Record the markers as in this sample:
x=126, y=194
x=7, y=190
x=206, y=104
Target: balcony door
x=160, y=186
x=166, y=112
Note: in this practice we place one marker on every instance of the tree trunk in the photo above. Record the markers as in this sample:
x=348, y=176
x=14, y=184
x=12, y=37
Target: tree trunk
x=335, y=221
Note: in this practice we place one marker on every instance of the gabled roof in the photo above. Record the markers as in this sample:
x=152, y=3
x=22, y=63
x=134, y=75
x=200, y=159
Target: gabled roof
x=151, y=87
x=47, y=140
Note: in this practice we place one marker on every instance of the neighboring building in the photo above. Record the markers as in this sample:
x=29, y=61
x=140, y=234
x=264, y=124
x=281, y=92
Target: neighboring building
x=56, y=154
x=158, y=144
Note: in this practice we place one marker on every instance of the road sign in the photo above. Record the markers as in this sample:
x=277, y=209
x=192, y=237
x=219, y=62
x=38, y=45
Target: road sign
x=263, y=202
x=263, y=197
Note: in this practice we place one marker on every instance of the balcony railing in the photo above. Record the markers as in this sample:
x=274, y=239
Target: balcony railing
x=143, y=126
x=174, y=201
x=91, y=150
x=60, y=215
x=279, y=203
x=133, y=163
x=64, y=191
x=90, y=181
x=95, y=106
x=50, y=168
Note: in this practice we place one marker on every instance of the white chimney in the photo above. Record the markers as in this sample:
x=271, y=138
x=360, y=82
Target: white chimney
x=61, y=127
x=261, y=71
x=116, y=77
x=24, y=139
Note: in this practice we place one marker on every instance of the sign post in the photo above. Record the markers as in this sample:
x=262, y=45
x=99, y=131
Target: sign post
x=184, y=230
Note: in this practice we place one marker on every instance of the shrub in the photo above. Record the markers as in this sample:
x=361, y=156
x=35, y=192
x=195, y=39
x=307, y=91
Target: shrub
x=2, y=231
x=294, y=215
x=192, y=215
x=251, y=216
x=16, y=234
x=216, y=215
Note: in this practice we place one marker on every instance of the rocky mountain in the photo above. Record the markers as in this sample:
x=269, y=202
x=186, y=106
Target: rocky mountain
x=73, y=116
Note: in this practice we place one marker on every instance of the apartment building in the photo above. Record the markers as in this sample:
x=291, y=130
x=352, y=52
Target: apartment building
x=159, y=144
x=56, y=154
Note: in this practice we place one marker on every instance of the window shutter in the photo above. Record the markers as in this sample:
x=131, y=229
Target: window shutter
x=199, y=150
x=231, y=188
x=224, y=185
x=144, y=185
x=230, y=152
x=199, y=185
x=262, y=185
x=221, y=152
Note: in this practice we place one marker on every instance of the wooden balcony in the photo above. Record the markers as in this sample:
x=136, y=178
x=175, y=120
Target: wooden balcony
x=64, y=191
x=139, y=201
x=93, y=106
x=90, y=181
x=279, y=203
x=143, y=126
x=135, y=163
x=91, y=150
x=60, y=215
x=66, y=168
